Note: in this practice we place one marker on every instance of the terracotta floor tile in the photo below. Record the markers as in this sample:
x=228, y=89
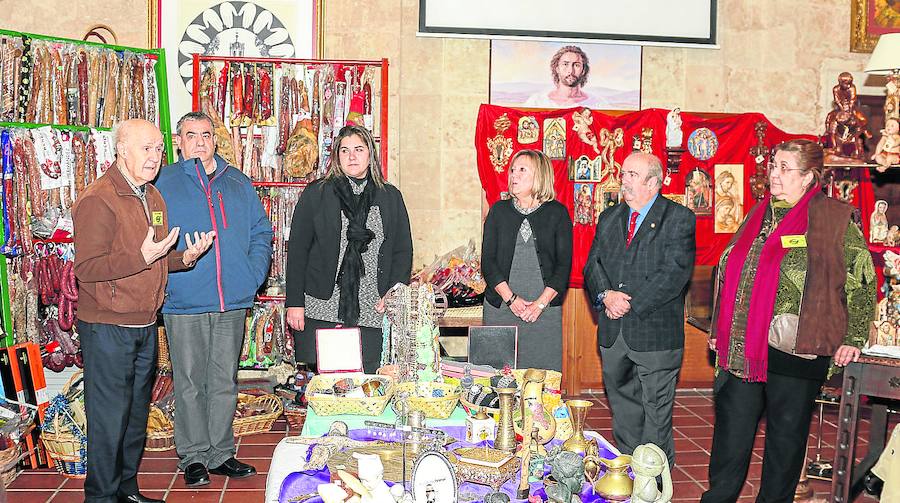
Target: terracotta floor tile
x=159, y=465
x=695, y=458
x=255, y=482
x=695, y=432
x=216, y=483
x=703, y=443
x=699, y=473
x=255, y=451
x=194, y=497
x=684, y=445
x=45, y=480
x=679, y=475
x=152, y=481
x=687, y=490
x=690, y=421
x=235, y=496
x=68, y=497
x=24, y=496
x=171, y=454
x=73, y=485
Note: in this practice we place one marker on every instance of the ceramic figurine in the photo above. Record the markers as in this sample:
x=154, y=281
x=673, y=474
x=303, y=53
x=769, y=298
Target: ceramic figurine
x=371, y=475
x=647, y=463
x=887, y=152
x=496, y=497
x=567, y=469
x=893, y=236
x=878, y=222
x=674, y=135
x=400, y=495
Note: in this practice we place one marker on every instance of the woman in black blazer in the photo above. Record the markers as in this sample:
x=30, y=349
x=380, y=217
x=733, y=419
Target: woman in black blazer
x=349, y=244
x=526, y=257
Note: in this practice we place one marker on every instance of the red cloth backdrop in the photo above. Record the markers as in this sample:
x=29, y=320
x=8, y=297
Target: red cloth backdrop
x=736, y=135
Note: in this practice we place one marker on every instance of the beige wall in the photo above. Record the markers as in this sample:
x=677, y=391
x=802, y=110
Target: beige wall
x=777, y=57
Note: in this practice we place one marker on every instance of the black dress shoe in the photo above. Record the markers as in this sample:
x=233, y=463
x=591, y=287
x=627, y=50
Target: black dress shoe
x=234, y=469
x=138, y=498
x=196, y=475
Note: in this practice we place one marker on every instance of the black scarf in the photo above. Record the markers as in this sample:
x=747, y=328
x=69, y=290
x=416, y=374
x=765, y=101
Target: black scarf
x=356, y=209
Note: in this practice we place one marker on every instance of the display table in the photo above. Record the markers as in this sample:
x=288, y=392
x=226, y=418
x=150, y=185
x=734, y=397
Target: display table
x=316, y=426
x=872, y=376
x=285, y=483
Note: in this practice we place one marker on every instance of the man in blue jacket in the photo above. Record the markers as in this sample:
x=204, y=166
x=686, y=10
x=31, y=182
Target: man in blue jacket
x=205, y=307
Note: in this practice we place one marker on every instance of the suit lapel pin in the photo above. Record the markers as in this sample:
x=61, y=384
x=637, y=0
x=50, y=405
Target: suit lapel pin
x=652, y=225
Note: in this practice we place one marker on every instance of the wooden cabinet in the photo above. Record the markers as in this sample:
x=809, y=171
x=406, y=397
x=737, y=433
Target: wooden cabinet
x=581, y=360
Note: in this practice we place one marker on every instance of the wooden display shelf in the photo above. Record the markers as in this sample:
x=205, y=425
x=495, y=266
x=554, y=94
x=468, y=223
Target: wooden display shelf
x=581, y=359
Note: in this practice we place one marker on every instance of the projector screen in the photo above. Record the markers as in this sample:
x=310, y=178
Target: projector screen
x=644, y=22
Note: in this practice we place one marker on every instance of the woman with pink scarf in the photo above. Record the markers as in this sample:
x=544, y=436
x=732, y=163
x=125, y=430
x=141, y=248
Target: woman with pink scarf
x=796, y=292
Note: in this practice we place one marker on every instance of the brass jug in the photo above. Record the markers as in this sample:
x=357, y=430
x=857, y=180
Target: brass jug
x=615, y=484
x=578, y=410
x=506, y=434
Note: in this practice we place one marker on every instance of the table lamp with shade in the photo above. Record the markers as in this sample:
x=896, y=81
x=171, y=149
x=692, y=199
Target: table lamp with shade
x=885, y=60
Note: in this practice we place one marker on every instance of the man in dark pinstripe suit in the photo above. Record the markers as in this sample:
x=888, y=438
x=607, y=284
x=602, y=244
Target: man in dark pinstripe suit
x=636, y=274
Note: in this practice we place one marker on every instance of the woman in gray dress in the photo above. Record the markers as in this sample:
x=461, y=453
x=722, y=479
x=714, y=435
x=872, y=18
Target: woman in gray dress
x=526, y=258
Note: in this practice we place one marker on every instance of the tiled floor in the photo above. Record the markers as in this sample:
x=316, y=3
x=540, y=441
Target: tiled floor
x=692, y=418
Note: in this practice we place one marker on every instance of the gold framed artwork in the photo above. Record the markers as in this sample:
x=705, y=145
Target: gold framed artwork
x=729, y=198
x=255, y=28
x=869, y=19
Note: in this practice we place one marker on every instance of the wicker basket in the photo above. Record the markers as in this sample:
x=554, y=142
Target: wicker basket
x=295, y=416
x=8, y=460
x=63, y=446
x=330, y=405
x=433, y=407
x=259, y=423
x=160, y=440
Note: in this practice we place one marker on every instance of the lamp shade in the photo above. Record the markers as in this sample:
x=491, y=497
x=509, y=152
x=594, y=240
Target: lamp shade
x=886, y=56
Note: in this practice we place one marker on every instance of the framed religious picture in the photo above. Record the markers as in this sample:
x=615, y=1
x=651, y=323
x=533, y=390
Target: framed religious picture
x=434, y=479
x=583, y=171
x=255, y=28
x=604, y=198
x=698, y=192
x=583, y=200
x=729, y=199
x=555, y=138
x=869, y=19
x=597, y=76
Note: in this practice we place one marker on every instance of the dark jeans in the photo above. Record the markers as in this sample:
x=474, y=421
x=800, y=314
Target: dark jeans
x=788, y=403
x=305, y=344
x=119, y=368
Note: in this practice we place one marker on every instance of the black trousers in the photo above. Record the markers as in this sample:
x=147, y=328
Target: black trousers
x=788, y=404
x=305, y=344
x=119, y=368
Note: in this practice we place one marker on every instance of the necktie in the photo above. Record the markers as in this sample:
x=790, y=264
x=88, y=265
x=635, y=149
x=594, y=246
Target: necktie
x=632, y=223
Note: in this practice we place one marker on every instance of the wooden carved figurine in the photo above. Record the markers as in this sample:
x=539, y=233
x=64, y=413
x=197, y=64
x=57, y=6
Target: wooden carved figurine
x=846, y=124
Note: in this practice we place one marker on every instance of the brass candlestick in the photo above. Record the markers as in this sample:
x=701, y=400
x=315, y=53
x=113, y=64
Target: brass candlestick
x=578, y=410
x=506, y=434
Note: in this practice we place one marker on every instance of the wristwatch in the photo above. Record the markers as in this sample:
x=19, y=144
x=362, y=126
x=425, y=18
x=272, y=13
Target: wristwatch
x=602, y=295
x=541, y=305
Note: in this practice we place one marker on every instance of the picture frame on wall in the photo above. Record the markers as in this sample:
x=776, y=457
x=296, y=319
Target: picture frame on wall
x=252, y=28
x=534, y=74
x=869, y=19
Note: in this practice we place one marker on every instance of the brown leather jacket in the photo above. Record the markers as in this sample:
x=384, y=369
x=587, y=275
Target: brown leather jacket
x=115, y=285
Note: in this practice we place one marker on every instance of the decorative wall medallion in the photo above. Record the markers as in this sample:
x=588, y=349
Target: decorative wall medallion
x=529, y=130
x=703, y=144
x=500, y=147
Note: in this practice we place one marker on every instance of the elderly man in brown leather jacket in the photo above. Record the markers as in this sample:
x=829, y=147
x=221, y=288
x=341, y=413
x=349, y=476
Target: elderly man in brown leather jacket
x=122, y=260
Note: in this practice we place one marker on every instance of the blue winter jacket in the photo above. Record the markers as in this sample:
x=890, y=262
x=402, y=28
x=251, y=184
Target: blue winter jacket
x=228, y=275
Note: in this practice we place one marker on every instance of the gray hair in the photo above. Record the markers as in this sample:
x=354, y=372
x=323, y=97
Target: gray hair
x=654, y=170
x=194, y=116
x=116, y=134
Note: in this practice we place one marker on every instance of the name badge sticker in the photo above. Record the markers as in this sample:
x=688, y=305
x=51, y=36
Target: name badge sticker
x=157, y=218
x=794, y=241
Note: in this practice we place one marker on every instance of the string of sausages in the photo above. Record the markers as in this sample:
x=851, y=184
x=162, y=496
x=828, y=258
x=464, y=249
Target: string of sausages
x=50, y=82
